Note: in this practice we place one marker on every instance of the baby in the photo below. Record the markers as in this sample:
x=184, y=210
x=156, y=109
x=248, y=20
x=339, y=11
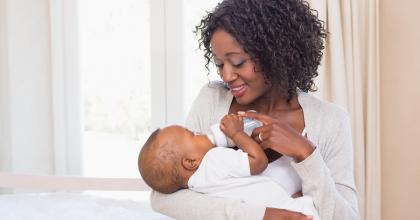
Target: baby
x=175, y=158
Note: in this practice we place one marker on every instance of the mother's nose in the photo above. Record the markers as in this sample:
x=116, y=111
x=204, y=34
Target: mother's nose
x=228, y=74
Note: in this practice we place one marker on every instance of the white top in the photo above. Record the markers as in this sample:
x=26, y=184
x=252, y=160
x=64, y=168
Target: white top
x=327, y=175
x=225, y=172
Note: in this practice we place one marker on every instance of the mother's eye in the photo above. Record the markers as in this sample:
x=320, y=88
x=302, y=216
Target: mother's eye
x=239, y=64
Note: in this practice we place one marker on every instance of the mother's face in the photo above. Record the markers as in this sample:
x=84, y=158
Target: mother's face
x=236, y=68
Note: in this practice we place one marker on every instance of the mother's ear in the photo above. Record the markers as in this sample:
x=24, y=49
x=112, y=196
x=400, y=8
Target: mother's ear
x=190, y=164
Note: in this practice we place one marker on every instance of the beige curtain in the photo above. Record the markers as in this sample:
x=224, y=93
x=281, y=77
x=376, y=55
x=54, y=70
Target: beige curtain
x=349, y=76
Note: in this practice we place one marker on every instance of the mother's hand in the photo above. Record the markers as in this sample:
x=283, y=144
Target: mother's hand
x=278, y=135
x=282, y=214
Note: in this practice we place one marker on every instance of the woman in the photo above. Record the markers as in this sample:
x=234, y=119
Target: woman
x=267, y=53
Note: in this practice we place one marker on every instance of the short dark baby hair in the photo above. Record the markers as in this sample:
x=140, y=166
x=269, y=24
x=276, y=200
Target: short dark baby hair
x=158, y=165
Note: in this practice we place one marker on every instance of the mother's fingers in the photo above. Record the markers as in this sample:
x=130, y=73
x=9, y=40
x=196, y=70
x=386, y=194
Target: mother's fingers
x=265, y=119
x=260, y=134
x=262, y=129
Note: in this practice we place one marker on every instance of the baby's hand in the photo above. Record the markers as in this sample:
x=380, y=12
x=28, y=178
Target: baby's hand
x=231, y=124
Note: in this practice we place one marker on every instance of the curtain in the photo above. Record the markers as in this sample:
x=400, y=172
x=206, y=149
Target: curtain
x=349, y=77
x=40, y=126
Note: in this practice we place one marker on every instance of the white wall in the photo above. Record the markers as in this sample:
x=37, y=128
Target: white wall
x=4, y=91
x=25, y=87
x=400, y=108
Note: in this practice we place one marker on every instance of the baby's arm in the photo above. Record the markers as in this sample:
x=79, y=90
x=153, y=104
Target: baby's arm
x=233, y=127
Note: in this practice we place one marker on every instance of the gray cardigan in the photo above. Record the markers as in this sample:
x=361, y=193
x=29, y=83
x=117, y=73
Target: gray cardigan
x=327, y=174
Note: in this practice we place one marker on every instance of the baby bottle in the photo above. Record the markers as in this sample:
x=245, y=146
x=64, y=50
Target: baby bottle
x=218, y=138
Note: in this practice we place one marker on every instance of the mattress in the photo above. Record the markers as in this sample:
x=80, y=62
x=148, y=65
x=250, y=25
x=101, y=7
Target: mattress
x=66, y=206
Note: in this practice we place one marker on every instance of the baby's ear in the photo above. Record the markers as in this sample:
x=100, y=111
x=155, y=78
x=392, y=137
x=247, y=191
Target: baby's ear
x=190, y=164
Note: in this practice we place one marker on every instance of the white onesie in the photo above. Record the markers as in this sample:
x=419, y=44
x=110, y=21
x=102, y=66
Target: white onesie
x=225, y=172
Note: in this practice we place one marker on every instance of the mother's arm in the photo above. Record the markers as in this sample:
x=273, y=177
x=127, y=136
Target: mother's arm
x=329, y=178
x=187, y=204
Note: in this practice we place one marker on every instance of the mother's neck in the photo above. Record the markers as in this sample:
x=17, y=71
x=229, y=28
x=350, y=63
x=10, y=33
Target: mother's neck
x=272, y=100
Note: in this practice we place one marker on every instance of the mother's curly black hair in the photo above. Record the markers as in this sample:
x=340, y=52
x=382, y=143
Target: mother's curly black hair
x=283, y=37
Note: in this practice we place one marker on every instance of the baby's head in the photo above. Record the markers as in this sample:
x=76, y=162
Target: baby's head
x=170, y=156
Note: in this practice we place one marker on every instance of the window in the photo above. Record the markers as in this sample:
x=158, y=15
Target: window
x=114, y=62
x=140, y=68
x=195, y=71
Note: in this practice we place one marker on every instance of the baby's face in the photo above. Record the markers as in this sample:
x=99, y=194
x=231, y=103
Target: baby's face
x=184, y=140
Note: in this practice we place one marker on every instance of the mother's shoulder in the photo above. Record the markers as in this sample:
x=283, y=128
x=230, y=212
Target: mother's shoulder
x=215, y=85
x=213, y=94
x=321, y=108
x=214, y=89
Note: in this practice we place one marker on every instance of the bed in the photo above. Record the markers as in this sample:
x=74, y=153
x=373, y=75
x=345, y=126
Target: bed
x=73, y=198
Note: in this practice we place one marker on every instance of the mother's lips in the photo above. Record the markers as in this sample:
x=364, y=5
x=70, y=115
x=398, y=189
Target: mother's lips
x=238, y=91
x=236, y=88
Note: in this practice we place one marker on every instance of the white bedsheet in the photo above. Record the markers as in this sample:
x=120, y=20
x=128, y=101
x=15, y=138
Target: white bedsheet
x=72, y=206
